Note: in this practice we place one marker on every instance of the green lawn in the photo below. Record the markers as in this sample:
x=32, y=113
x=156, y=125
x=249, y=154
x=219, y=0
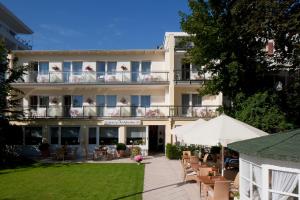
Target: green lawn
x=73, y=181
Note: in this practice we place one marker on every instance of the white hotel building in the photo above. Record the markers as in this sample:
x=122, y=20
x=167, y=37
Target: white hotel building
x=87, y=98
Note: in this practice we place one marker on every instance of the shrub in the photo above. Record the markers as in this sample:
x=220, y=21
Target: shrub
x=135, y=151
x=173, y=151
x=121, y=146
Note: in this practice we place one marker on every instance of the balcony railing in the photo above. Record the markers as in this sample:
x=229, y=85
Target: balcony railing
x=124, y=77
x=190, y=76
x=119, y=111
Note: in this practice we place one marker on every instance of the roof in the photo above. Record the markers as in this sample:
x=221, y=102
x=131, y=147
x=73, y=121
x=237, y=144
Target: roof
x=98, y=52
x=13, y=21
x=283, y=146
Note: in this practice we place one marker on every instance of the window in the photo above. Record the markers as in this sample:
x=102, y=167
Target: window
x=92, y=135
x=77, y=101
x=196, y=100
x=54, y=135
x=70, y=135
x=145, y=101
x=77, y=68
x=100, y=68
x=109, y=135
x=44, y=68
x=33, y=135
x=44, y=101
x=111, y=68
x=33, y=102
x=136, y=136
x=146, y=67
x=111, y=101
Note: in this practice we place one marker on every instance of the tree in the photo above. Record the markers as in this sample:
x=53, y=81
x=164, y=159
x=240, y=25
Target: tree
x=9, y=96
x=230, y=38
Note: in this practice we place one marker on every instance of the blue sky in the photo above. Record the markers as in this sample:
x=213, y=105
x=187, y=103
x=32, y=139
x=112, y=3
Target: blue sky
x=98, y=24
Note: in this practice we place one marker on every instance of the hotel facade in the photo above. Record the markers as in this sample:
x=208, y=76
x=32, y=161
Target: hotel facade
x=102, y=97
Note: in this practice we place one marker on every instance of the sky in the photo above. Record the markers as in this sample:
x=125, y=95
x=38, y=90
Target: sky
x=98, y=24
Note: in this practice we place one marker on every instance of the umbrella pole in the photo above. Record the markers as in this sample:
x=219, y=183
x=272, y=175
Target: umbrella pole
x=222, y=161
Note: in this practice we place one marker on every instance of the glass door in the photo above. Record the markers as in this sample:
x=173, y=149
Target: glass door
x=100, y=71
x=135, y=71
x=134, y=105
x=67, y=105
x=185, y=71
x=100, y=104
x=66, y=71
x=185, y=103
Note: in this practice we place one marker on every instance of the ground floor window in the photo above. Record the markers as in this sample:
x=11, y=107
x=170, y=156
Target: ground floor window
x=136, y=136
x=33, y=135
x=70, y=135
x=109, y=135
x=92, y=135
x=54, y=135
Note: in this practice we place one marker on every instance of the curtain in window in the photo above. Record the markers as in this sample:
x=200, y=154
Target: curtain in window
x=284, y=182
x=257, y=178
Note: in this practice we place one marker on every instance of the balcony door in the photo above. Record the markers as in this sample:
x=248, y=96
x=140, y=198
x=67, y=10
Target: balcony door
x=100, y=71
x=100, y=103
x=134, y=105
x=135, y=71
x=185, y=71
x=66, y=68
x=67, y=105
x=185, y=102
x=33, y=72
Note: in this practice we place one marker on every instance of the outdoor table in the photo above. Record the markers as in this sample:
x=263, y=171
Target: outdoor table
x=196, y=166
x=210, y=180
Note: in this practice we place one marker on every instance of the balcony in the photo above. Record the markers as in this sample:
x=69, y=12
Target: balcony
x=123, y=77
x=14, y=41
x=190, y=76
x=119, y=111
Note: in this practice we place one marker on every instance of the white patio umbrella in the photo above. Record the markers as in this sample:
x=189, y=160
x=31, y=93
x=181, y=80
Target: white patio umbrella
x=185, y=129
x=221, y=130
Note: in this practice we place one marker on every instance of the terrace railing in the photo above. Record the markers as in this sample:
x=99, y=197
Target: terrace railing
x=118, y=111
x=118, y=77
x=190, y=76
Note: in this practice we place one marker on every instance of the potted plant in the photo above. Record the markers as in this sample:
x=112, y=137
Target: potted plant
x=55, y=68
x=88, y=68
x=123, y=67
x=138, y=159
x=89, y=100
x=123, y=100
x=236, y=196
x=121, y=147
x=54, y=100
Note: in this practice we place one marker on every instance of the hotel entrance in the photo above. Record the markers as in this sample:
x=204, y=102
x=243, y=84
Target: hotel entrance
x=156, y=139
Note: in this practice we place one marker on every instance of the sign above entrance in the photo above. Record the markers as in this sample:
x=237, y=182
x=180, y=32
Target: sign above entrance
x=122, y=122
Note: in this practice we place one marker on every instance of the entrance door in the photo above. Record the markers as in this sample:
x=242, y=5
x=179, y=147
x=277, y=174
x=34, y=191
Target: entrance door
x=185, y=71
x=156, y=139
x=67, y=105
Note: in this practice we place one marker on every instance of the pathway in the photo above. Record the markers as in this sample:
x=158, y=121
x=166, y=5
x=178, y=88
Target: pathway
x=163, y=180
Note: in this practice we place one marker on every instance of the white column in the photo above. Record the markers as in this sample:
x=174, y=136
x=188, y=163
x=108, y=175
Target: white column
x=265, y=182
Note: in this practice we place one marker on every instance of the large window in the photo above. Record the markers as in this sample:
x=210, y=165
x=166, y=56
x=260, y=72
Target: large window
x=77, y=68
x=43, y=68
x=111, y=101
x=44, y=101
x=109, y=135
x=54, y=135
x=136, y=136
x=111, y=68
x=145, y=101
x=70, y=135
x=92, y=135
x=146, y=67
x=196, y=100
x=77, y=101
x=33, y=135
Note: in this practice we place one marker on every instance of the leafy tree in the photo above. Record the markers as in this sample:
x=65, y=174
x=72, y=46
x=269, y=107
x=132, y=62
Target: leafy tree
x=9, y=96
x=230, y=38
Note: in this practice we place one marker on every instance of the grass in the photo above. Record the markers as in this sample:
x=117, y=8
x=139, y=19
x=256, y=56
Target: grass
x=73, y=181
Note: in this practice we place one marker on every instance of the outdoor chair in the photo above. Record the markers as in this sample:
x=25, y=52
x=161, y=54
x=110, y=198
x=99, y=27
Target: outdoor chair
x=194, y=159
x=220, y=191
